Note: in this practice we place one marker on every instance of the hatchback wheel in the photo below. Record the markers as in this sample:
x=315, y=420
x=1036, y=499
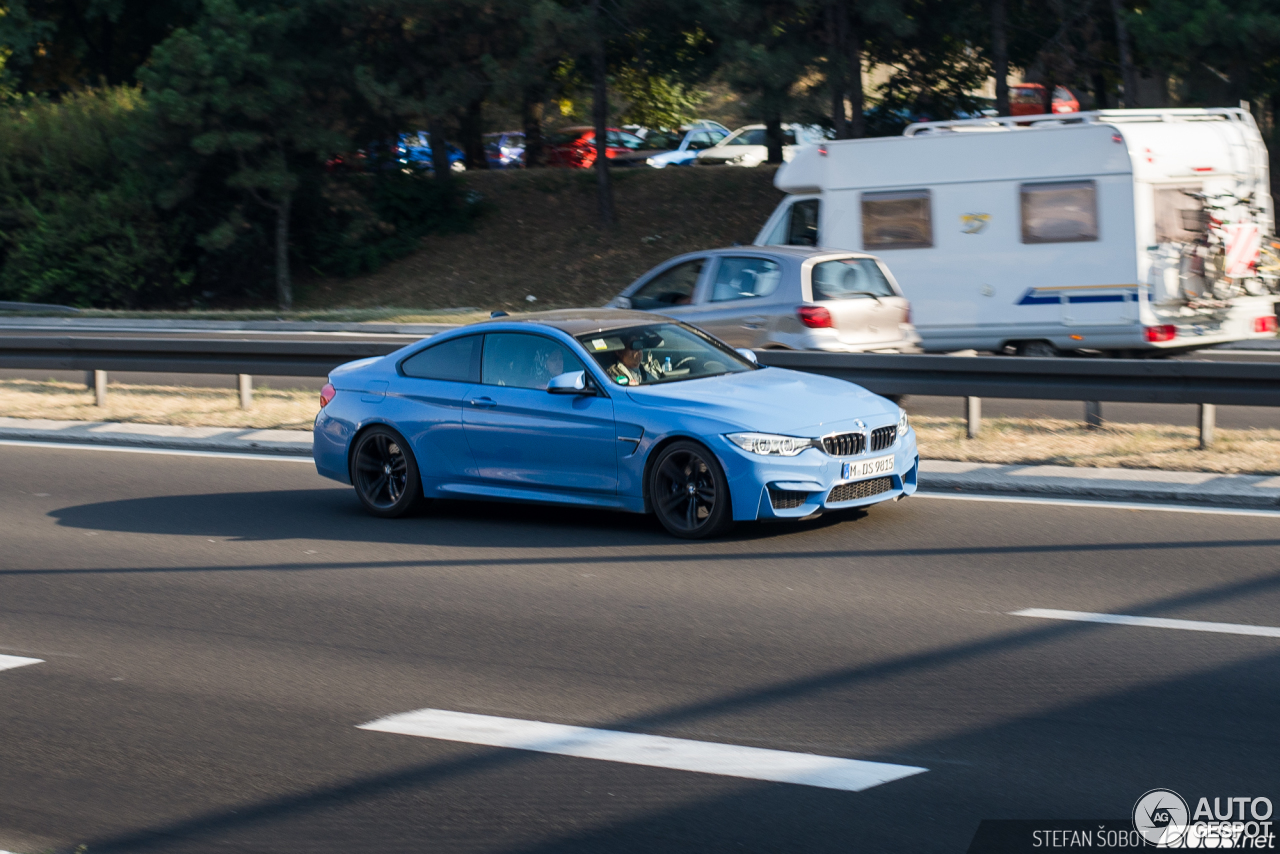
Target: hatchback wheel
x=689, y=492
x=384, y=473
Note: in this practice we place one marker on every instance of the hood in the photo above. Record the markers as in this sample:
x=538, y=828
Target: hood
x=770, y=400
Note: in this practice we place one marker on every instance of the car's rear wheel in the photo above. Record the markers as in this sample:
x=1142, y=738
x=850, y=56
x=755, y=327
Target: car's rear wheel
x=385, y=473
x=689, y=492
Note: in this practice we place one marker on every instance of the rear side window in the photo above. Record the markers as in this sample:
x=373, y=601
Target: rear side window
x=745, y=278
x=1062, y=212
x=850, y=278
x=456, y=360
x=670, y=287
x=898, y=220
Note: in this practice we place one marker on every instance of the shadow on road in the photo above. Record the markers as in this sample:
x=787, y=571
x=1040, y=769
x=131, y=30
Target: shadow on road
x=330, y=514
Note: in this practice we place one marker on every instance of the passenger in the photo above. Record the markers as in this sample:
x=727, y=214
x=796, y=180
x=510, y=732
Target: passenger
x=634, y=365
x=552, y=366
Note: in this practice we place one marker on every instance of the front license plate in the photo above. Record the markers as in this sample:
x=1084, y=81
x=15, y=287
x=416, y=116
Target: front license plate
x=858, y=469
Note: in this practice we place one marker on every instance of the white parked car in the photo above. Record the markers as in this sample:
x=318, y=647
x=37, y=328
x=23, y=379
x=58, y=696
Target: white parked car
x=748, y=146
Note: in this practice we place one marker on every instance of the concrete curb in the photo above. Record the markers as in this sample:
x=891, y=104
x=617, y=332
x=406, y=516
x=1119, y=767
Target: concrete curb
x=939, y=476
x=294, y=443
x=1204, y=489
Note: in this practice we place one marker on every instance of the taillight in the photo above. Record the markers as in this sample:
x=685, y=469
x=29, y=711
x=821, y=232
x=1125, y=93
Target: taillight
x=1265, y=324
x=326, y=394
x=1156, y=334
x=815, y=317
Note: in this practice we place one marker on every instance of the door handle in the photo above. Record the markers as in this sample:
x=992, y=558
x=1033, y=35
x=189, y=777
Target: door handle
x=484, y=402
x=753, y=323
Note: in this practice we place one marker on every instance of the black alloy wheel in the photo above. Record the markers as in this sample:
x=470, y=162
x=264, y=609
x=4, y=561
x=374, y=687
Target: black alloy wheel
x=384, y=473
x=689, y=492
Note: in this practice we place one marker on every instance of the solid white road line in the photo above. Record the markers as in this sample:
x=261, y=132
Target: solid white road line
x=1102, y=505
x=227, y=455
x=1150, y=622
x=753, y=763
x=8, y=662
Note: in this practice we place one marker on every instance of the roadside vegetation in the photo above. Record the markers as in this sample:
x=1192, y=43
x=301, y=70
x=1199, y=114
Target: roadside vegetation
x=1023, y=441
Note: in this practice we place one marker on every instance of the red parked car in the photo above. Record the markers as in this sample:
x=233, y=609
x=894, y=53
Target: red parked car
x=1027, y=99
x=575, y=147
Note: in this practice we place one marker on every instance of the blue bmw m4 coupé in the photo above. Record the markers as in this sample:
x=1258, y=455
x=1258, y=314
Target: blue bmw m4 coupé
x=608, y=408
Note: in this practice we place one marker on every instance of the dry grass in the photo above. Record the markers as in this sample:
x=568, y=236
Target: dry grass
x=1047, y=441
x=1027, y=441
x=151, y=404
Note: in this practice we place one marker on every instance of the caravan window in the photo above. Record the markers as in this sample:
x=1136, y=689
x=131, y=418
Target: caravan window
x=803, y=227
x=1062, y=212
x=900, y=220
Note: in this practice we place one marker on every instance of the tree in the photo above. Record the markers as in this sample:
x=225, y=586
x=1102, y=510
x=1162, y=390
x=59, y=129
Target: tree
x=251, y=91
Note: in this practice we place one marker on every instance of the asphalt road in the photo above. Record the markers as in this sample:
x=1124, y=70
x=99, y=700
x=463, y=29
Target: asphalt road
x=214, y=630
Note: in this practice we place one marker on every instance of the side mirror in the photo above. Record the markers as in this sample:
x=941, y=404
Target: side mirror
x=749, y=355
x=574, y=382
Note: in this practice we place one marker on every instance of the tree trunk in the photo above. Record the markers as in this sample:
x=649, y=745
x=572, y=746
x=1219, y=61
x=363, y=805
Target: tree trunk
x=1128, y=74
x=439, y=151
x=284, y=286
x=857, y=103
x=773, y=138
x=1000, y=55
x=472, y=133
x=600, y=112
x=837, y=39
x=531, y=119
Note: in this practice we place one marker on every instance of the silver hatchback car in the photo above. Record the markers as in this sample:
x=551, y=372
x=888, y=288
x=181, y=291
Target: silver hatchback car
x=784, y=297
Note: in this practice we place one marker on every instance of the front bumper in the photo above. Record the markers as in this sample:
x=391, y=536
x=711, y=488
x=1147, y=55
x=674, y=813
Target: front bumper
x=763, y=487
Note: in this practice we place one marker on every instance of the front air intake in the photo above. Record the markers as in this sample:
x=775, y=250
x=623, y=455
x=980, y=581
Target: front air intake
x=859, y=489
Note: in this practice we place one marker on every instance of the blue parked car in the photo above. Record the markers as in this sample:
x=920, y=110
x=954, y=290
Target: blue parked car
x=414, y=152
x=680, y=147
x=608, y=408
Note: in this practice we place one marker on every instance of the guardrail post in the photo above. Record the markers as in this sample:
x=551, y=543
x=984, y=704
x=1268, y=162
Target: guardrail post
x=99, y=388
x=973, y=416
x=1092, y=414
x=1208, y=416
x=245, y=382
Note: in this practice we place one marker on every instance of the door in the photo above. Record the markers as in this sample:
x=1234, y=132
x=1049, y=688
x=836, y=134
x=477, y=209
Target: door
x=670, y=292
x=523, y=437
x=424, y=402
x=737, y=305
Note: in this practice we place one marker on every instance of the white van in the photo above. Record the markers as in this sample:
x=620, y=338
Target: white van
x=1040, y=234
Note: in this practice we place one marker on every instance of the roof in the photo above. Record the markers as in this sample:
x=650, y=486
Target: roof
x=580, y=321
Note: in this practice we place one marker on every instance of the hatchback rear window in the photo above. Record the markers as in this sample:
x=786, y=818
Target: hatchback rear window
x=850, y=278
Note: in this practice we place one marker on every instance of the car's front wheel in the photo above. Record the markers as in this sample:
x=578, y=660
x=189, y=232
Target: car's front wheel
x=689, y=492
x=385, y=473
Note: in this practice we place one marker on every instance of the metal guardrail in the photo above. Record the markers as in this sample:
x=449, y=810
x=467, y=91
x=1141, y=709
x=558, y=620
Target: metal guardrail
x=1091, y=380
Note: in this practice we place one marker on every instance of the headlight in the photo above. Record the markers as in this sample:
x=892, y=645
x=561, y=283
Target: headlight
x=769, y=444
x=903, y=424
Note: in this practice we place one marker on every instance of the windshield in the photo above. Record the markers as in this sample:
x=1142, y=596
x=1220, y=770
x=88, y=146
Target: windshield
x=661, y=352
x=754, y=136
x=850, y=278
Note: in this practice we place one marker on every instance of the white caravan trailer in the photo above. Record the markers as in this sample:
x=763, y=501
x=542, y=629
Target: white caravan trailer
x=1042, y=234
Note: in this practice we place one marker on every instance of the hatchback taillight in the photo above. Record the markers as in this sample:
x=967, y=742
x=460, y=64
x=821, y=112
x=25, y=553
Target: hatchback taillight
x=326, y=394
x=815, y=317
x=1265, y=324
x=1156, y=334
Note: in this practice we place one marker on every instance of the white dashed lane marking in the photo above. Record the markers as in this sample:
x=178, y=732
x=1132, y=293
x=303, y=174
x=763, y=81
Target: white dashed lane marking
x=1150, y=622
x=8, y=662
x=731, y=760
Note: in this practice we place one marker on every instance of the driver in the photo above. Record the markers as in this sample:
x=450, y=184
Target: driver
x=634, y=365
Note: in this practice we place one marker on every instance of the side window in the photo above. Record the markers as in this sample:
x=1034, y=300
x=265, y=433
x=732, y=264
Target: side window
x=518, y=360
x=456, y=360
x=745, y=278
x=672, y=287
x=700, y=142
x=1062, y=212
x=802, y=230
x=788, y=137
x=899, y=220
